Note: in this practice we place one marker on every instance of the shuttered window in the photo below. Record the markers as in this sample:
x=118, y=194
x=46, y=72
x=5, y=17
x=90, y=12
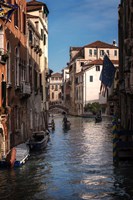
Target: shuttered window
x=16, y=17
x=24, y=23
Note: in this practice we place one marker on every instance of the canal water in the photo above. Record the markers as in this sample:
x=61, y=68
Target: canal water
x=77, y=164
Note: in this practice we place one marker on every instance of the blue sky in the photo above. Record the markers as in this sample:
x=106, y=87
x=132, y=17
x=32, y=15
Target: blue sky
x=77, y=23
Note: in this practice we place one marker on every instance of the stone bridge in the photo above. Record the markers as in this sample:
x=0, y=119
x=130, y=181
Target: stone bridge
x=60, y=106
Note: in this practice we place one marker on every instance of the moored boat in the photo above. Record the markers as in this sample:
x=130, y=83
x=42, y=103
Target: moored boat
x=22, y=154
x=39, y=140
x=16, y=157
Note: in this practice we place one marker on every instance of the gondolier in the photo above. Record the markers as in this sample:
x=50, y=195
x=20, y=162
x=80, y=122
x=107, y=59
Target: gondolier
x=65, y=119
x=66, y=123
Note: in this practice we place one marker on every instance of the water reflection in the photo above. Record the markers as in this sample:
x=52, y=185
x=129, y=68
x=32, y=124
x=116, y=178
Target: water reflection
x=77, y=164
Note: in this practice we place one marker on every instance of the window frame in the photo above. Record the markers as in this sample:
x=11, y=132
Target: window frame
x=91, y=78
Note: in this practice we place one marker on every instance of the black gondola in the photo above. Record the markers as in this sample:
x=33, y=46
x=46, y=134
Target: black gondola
x=98, y=119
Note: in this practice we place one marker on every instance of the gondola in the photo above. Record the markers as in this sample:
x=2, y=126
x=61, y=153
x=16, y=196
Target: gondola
x=98, y=119
x=66, y=125
x=39, y=140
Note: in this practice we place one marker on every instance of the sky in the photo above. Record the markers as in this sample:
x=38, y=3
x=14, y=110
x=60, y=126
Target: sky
x=75, y=23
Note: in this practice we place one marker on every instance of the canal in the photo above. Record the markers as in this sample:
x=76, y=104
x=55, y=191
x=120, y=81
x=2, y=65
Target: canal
x=77, y=164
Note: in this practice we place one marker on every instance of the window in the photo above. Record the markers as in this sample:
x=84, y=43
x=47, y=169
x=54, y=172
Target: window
x=40, y=82
x=108, y=52
x=52, y=87
x=24, y=23
x=101, y=52
x=30, y=72
x=56, y=87
x=37, y=25
x=30, y=36
x=76, y=80
x=97, y=68
x=42, y=32
x=16, y=17
x=76, y=93
x=95, y=52
x=52, y=95
x=82, y=64
x=22, y=70
x=90, y=52
x=91, y=78
x=8, y=64
x=3, y=93
x=17, y=81
x=44, y=39
x=35, y=80
x=115, y=52
x=59, y=95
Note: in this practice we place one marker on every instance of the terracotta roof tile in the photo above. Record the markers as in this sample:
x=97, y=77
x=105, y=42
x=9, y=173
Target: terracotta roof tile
x=100, y=62
x=115, y=62
x=56, y=75
x=96, y=44
x=95, y=62
x=36, y=5
x=99, y=44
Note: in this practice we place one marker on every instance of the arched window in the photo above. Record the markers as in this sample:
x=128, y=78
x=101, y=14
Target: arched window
x=35, y=80
x=17, y=78
x=30, y=72
x=9, y=64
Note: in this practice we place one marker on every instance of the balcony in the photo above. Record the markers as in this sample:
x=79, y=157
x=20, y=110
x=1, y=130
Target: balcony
x=36, y=48
x=26, y=89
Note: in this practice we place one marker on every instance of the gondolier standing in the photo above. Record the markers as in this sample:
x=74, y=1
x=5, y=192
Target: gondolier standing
x=65, y=119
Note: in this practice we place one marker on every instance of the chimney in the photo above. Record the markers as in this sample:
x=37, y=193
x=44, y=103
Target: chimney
x=114, y=43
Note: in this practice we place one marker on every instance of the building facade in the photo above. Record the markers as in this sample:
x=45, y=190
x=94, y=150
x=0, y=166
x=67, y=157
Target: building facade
x=55, y=85
x=126, y=63
x=92, y=85
x=84, y=72
x=13, y=41
x=65, y=86
x=37, y=20
x=22, y=73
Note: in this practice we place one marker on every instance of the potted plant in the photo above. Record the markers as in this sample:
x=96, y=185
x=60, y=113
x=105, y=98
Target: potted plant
x=4, y=58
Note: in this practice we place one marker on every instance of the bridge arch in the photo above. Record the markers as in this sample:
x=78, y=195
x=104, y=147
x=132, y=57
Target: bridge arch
x=62, y=107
